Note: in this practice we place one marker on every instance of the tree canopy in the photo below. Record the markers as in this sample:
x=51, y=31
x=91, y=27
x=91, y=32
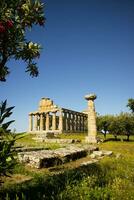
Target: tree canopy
x=131, y=104
x=16, y=16
x=121, y=124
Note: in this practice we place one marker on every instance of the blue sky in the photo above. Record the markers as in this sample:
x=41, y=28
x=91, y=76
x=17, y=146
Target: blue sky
x=88, y=46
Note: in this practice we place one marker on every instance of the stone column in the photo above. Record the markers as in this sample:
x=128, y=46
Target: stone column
x=92, y=129
x=83, y=123
x=54, y=121
x=69, y=124
x=35, y=122
x=80, y=123
x=66, y=121
x=76, y=118
x=47, y=121
x=41, y=122
x=65, y=117
x=73, y=122
x=30, y=123
x=61, y=121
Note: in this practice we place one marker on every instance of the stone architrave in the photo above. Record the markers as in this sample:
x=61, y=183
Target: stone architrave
x=92, y=129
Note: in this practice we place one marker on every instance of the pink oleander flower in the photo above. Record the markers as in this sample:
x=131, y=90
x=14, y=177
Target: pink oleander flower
x=9, y=24
x=2, y=28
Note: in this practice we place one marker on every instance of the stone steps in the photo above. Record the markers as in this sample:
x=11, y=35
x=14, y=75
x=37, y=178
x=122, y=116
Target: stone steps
x=50, y=158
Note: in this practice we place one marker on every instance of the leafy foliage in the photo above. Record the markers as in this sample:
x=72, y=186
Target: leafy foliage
x=7, y=140
x=16, y=16
x=131, y=104
x=7, y=154
x=122, y=124
x=103, y=124
x=5, y=113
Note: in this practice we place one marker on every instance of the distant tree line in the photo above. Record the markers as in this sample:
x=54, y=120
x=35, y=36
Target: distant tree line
x=121, y=124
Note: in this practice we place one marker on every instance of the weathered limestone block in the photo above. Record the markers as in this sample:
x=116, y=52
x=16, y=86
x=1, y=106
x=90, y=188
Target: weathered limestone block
x=49, y=158
x=89, y=162
x=42, y=159
x=71, y=153
x=107, y=153
x=97, y=154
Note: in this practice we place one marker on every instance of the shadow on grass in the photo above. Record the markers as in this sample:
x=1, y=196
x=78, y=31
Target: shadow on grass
x=49, y=187
x=118, y=140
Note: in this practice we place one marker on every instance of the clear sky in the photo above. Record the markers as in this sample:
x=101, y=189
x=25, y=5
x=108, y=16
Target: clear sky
x=88, y=47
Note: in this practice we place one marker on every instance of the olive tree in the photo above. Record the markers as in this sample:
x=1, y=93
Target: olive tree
x=127, y=121
x=103, y=124
x=131, y=104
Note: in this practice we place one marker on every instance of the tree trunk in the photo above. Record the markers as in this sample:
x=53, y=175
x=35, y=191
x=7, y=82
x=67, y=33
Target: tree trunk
x=115, y=137
x=128, y=137
x=105, y=135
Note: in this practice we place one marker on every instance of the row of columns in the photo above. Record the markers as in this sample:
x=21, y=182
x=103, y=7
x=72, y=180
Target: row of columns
x=74, y=122
x=45, y=121
x=62, y=120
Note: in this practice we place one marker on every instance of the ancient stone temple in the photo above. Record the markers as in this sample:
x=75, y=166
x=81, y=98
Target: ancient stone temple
x=52, y=118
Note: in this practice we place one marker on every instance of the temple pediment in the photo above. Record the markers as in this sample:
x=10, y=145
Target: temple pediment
x=46, y=104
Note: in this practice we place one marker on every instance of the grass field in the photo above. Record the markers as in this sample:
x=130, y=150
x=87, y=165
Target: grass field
x=112, y=178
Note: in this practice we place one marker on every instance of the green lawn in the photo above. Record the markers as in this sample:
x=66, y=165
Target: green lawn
x=26, y=140
x=112, y=178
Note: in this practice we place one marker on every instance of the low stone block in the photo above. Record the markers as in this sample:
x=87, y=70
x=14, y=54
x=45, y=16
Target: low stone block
x=107, y=153
x=98, y=153
x=50, y=158
x=88, y=162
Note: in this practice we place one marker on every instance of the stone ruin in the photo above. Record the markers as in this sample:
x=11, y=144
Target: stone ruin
x=52, y=119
